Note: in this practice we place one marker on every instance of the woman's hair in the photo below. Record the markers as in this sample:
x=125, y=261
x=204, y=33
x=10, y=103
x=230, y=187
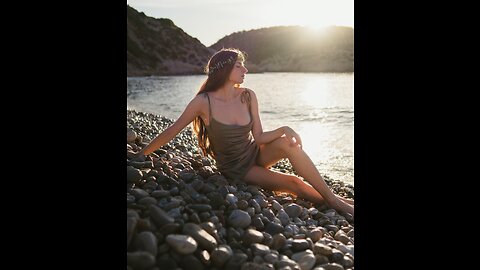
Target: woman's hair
x=218, y=70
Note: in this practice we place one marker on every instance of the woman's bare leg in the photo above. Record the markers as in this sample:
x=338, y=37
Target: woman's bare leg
x=280, y=148
x=349, y=201
x=278, y=181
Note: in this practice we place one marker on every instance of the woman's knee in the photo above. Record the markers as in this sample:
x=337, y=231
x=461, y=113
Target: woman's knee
x=285, y=146
x=281, y=144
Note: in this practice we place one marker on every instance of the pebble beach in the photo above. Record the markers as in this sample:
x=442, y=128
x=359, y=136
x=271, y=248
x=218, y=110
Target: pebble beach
x=182, y=213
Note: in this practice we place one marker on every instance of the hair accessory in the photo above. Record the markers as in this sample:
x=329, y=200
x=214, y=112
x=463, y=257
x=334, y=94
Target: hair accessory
x=221, y=64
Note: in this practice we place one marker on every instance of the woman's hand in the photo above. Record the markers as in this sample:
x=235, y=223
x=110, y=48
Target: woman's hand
x=292, y=136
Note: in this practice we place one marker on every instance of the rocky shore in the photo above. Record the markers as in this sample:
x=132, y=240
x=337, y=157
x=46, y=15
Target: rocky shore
x=183, y=214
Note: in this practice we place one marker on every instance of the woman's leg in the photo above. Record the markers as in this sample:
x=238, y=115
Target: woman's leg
x=281, y=148
x=278, y=181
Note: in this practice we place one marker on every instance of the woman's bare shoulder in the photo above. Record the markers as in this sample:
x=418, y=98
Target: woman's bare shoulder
x=250, y=92
x=200, y=100
x=246, y=89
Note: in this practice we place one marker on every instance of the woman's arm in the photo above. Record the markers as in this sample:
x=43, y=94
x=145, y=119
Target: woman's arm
x=262, y=137
x=193, y=109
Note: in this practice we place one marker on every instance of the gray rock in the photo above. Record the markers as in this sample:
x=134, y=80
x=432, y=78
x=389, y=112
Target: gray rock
x=332, y=266
x=221, y=255
x=323, y=249
x=141, y=260
x=316, y=234
x=300, y=244
x=236, y=261
x=200, y=207
x=133, y=175
x=284, y=217
x=347, y=262
x=307, y=262
x=159, y=216
x=259, y=249
x=239, y=219
x=273, y=228
x=321, y=259
x=131, y=135
x=342, y=237
x=131, y=225
x=190, y=262
x=268, y=213
x=231, y=199
x=183, y=244
x=337, y=256
x=293, y=210
x=147, y=201
x=279, y=240
x=258, y=223
x=252, y=236
x=146, y=241
x=277, y=206
x=204, y=239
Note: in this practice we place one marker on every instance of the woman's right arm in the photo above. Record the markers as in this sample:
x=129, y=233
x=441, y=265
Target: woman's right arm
x=193, y=109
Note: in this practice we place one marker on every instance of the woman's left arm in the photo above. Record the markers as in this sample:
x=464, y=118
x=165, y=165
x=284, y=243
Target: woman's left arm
x=262, y=137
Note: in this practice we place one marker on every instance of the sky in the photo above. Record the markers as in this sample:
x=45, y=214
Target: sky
x=211, y=20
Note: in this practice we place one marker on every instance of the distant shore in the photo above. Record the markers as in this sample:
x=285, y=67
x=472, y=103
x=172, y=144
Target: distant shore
x=181, y=212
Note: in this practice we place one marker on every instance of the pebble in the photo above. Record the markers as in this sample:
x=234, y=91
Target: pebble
x=183, y=213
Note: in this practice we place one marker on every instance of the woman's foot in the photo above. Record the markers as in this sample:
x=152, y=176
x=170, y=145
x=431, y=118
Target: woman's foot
x=349, y=201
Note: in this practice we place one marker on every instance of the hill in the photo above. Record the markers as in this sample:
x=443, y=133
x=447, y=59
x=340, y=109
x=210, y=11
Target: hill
x=159, y=47
x=294, y=48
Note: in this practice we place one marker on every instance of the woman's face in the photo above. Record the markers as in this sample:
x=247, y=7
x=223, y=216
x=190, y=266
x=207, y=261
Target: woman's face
x=237, y=75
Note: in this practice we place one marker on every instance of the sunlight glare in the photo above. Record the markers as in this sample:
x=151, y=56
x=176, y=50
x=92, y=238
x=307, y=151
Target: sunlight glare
x=314, y=93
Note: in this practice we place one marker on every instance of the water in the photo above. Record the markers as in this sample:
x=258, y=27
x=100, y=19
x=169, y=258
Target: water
x=318, y=106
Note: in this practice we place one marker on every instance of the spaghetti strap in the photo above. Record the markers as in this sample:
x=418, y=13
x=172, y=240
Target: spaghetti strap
x=247, y=98
x=209, y=108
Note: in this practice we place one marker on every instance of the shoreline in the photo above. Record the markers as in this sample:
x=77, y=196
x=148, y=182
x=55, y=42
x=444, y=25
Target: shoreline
x=182, y=212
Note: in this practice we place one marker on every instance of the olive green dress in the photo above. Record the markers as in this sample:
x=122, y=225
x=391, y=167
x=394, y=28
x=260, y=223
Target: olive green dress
x=233, y=145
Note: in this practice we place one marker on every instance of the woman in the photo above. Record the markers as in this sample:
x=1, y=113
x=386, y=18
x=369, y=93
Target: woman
x=227, y=123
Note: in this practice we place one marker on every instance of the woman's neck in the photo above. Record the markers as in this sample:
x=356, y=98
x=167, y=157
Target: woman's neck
x=226, y=92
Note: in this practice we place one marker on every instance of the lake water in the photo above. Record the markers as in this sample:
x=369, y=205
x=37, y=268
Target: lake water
x=318, y=106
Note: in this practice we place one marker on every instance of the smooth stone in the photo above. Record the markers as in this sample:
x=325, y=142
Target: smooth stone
x=323, y=249
x=239, y=219
x=307, y=262
x=203, y=238
x=159, y=216
x=221, y=255
x=146, y=241
x=252, y=236
x=293, y=210
x=141, y=260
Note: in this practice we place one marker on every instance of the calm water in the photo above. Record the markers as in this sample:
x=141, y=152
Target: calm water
x=318, y=106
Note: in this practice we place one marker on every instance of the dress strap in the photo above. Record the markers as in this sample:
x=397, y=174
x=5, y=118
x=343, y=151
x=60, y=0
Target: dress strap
x=247, y=98
x=209, y=108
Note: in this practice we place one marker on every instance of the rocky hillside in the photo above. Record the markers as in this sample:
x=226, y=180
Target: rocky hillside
x=159, y=47
x=294, y=48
